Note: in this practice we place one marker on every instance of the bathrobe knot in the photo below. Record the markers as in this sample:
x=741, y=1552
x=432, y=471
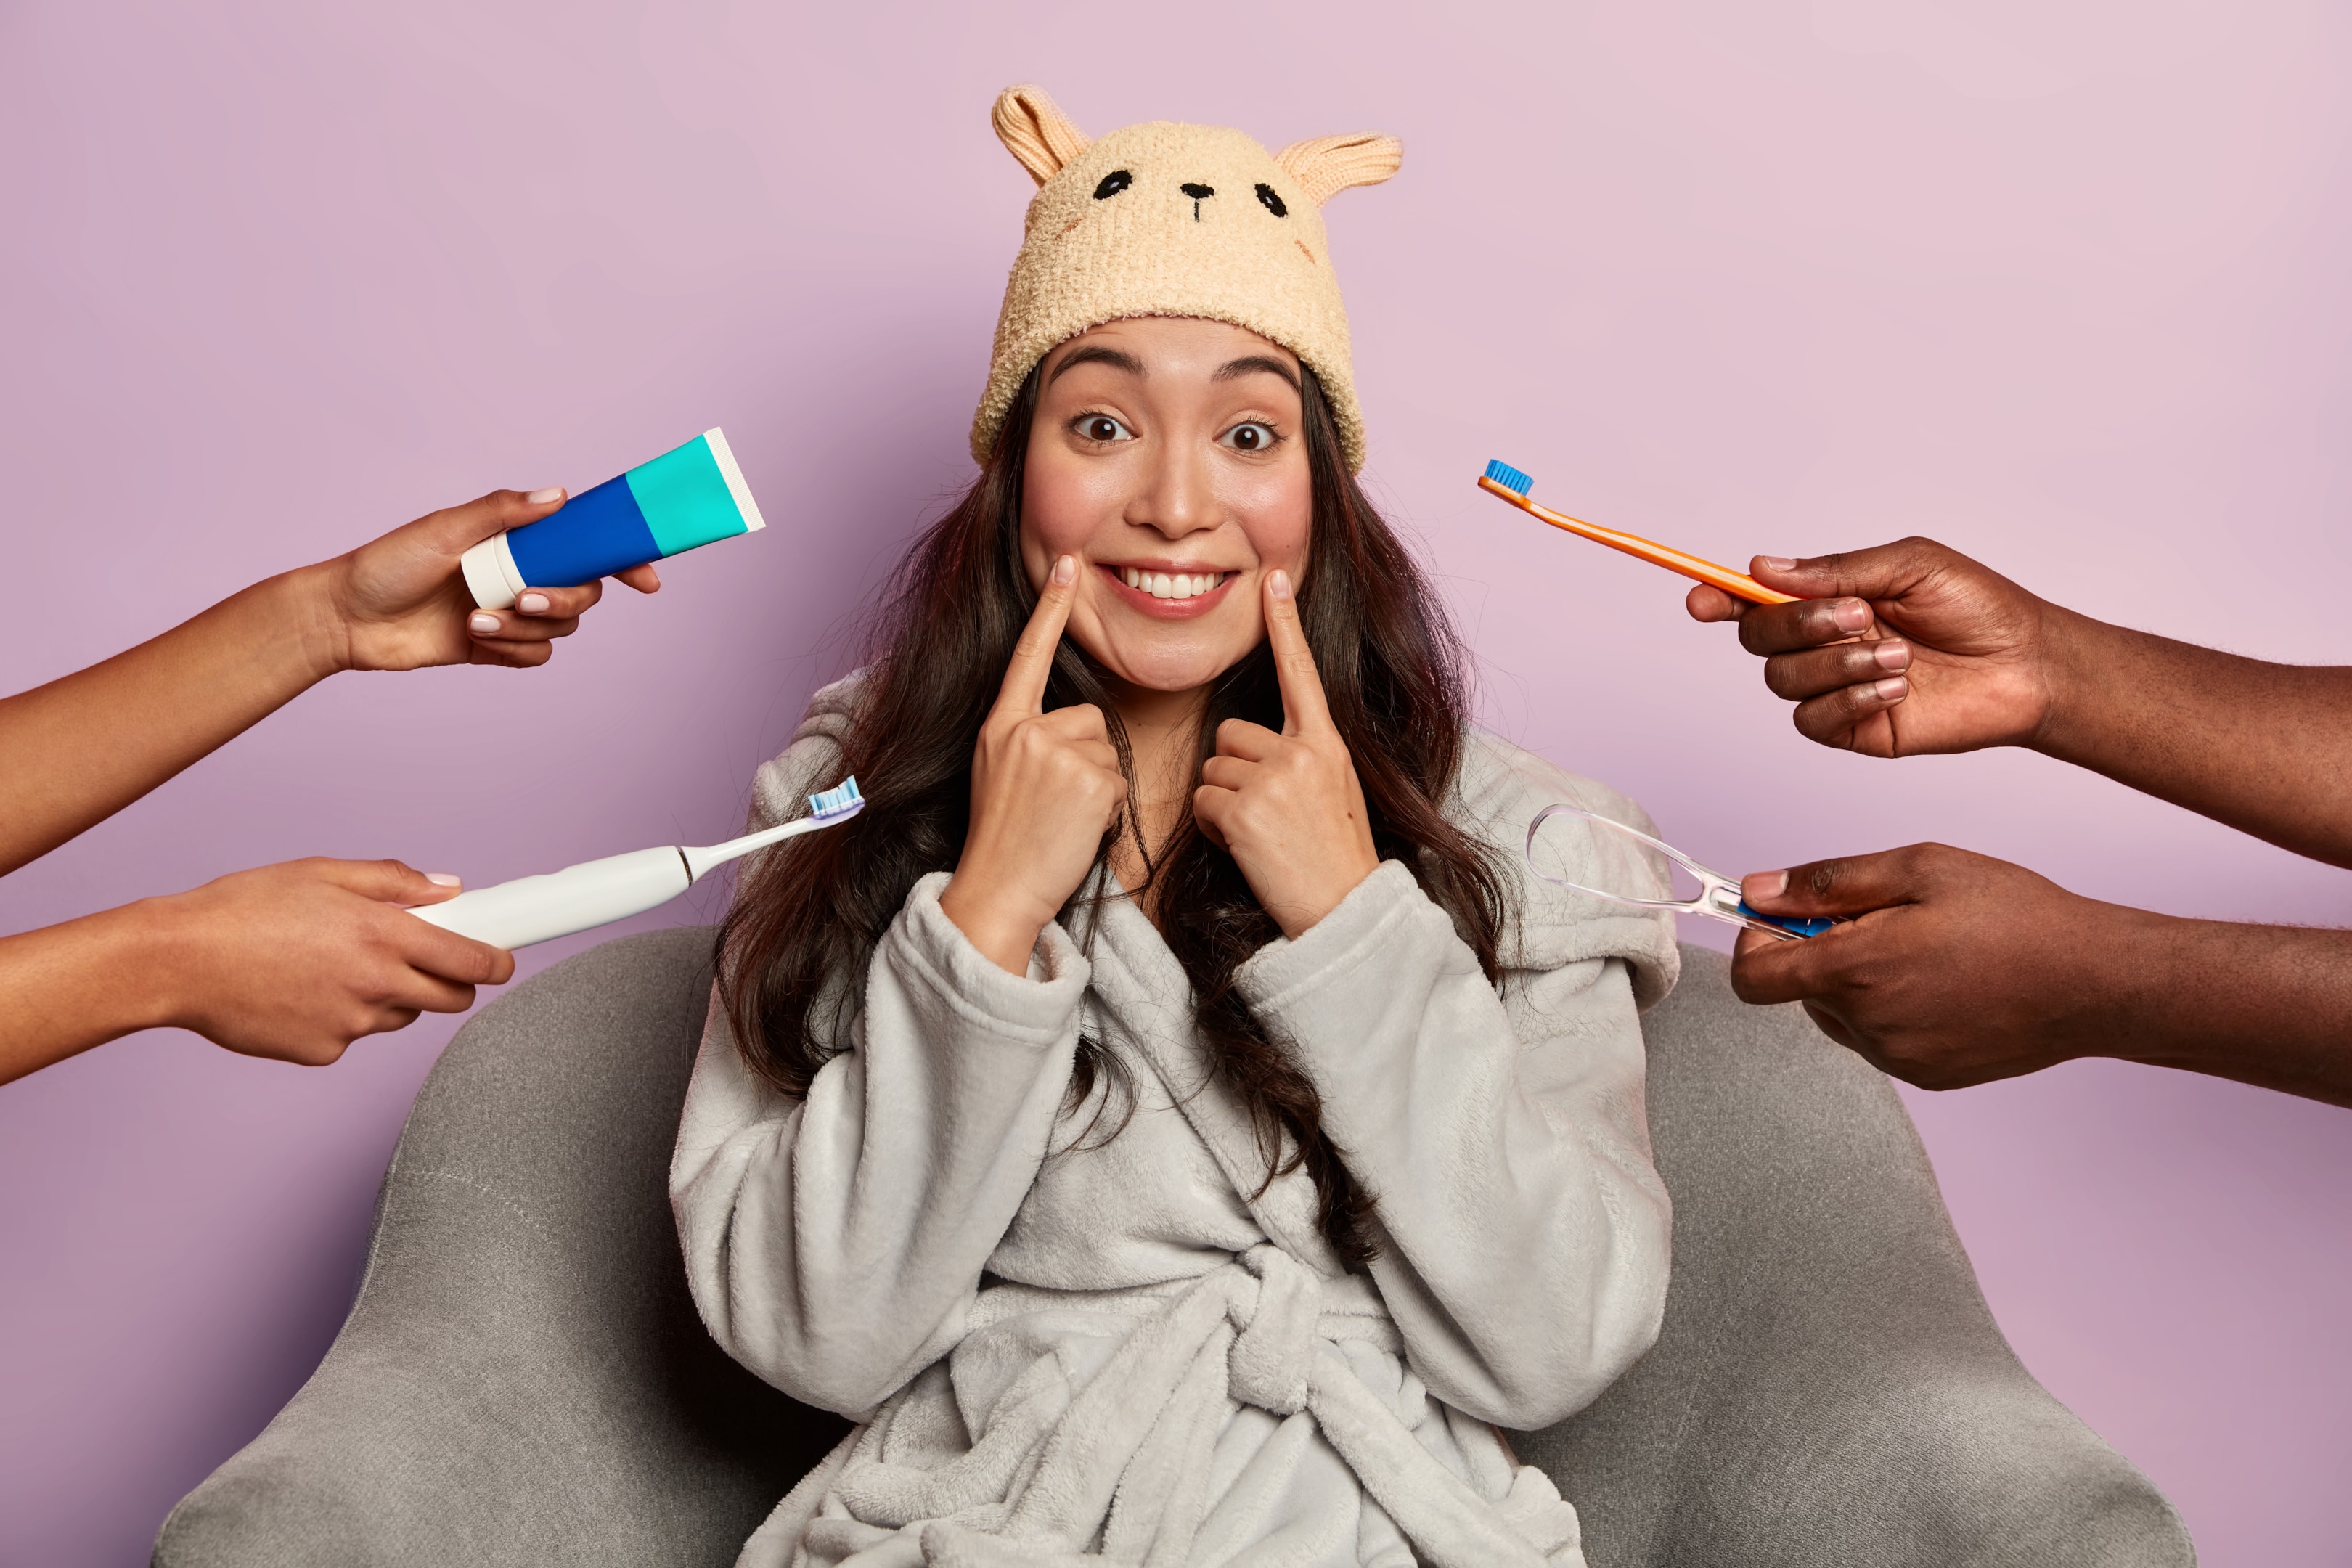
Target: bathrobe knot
x=1273, y=1328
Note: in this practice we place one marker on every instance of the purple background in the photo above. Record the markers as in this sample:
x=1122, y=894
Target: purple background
x=2063, y=286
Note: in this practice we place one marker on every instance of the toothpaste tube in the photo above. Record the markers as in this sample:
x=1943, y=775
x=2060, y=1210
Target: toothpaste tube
x=695, y=495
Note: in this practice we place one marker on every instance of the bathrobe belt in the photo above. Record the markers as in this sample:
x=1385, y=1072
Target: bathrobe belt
x=1128, y=1453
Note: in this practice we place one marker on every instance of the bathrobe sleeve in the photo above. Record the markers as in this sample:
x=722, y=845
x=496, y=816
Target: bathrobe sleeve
x=834, y=1243
x=1523, y=1229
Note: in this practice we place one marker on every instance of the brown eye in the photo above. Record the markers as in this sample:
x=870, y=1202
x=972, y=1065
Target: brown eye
x=1251, y=437
x=1102, y=428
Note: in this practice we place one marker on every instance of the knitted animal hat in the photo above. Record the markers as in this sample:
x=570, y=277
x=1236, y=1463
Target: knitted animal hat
x=1163, y=219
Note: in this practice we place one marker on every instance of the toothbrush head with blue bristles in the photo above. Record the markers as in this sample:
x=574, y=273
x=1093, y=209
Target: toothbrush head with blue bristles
x=837, y=803
x=1509, y=477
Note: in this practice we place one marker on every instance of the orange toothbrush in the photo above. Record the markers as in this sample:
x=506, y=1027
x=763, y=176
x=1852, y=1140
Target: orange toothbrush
x=1504, y=480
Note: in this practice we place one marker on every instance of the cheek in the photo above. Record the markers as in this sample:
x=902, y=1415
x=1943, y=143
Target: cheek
x=1062, y=507
x=1276, y=510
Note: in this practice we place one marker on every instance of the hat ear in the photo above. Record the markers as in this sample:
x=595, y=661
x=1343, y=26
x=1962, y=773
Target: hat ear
x=1329, y=164
x=1035, y=130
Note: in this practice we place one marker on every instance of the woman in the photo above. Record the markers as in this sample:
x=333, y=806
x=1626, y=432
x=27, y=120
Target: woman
x=1164, y=1119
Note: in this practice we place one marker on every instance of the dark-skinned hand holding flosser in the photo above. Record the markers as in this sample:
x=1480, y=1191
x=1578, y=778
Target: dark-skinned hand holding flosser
x=1950, y=968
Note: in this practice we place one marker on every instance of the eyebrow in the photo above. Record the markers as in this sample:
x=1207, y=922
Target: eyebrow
x=1251, y=364
x=1098, y=353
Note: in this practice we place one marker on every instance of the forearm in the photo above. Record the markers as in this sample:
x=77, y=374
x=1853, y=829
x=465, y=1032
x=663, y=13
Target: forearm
x=66, y=988
x=2268, y=1005
x=2266, y=748
x=832, y=1241
x=82, y=748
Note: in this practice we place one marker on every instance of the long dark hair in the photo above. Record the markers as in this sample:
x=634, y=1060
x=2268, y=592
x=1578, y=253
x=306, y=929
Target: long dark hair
x=794, y=948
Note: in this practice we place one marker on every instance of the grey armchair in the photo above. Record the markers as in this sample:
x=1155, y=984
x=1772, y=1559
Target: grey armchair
x=523, y=1380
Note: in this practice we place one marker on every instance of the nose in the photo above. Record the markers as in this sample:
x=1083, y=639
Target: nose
x=1199, y=194
x=1177, y=497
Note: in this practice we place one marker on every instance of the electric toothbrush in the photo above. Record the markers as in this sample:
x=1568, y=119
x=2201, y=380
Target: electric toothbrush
x=598, y=892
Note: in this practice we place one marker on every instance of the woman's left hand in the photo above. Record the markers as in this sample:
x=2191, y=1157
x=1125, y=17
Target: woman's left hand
x=1288, y=807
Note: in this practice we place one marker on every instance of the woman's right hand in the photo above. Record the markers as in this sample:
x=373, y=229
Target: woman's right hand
x=1045, y=787
x=1900, y=650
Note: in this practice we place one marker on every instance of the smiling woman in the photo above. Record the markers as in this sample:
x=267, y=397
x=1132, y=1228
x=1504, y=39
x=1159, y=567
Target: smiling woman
x=1166, y=1119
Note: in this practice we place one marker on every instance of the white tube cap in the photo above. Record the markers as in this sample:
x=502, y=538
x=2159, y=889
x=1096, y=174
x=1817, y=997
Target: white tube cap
x=491, y=573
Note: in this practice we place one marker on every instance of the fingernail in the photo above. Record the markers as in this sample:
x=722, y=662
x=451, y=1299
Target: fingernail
x=532, y=604
x=1776, y=563
x=1764, y=885
x=1851, y=614
x=483, y=622
x=1892, y=688
x=541, y=498
x=1893, y=655
x=443, y=879
x=1065, y=571
x=1278, y=585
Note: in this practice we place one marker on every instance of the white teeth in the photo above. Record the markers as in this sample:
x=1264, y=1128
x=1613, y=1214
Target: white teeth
x=1170, y=585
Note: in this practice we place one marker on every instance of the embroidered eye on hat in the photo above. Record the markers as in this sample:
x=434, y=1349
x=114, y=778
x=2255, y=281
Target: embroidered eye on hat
x=1163, y=219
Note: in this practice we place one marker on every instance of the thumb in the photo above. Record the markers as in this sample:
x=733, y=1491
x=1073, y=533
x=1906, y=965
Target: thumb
x=459, y=528
x=387, y=881
x=1854, y=886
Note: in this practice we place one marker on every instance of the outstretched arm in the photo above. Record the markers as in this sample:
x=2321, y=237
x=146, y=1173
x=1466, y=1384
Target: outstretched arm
x=1912, y=647
x=79, y=750
x=1957, y=969
x=293, y=961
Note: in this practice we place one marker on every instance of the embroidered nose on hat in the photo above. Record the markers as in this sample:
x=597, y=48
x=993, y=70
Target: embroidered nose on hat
x=1104, y=244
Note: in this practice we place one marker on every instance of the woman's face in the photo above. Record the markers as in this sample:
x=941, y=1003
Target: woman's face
x=1167, y=455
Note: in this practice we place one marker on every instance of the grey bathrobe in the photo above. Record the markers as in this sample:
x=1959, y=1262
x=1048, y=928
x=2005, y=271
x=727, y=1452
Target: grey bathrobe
x=1064, y=1349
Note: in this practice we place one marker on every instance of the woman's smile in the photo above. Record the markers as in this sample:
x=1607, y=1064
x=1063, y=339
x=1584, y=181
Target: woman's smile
x=1165, y=591
x=1166, y=454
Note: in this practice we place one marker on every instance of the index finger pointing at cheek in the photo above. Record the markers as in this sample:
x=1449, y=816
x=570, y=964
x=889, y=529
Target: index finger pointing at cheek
x=1023, y=691
x=1304, y=709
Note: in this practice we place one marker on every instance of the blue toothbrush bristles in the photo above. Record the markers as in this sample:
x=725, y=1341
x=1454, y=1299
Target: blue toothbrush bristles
x=1509, y=477
x=835, y=803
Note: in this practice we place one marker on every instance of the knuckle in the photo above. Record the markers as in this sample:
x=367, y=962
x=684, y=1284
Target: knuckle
x=1935, y=861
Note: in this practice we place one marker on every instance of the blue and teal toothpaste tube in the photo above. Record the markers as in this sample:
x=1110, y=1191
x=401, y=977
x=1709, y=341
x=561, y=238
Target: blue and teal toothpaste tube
x=693, y=496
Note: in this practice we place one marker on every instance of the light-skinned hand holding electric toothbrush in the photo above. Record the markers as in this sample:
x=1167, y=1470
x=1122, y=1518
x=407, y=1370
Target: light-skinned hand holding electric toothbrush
x=292, y=961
